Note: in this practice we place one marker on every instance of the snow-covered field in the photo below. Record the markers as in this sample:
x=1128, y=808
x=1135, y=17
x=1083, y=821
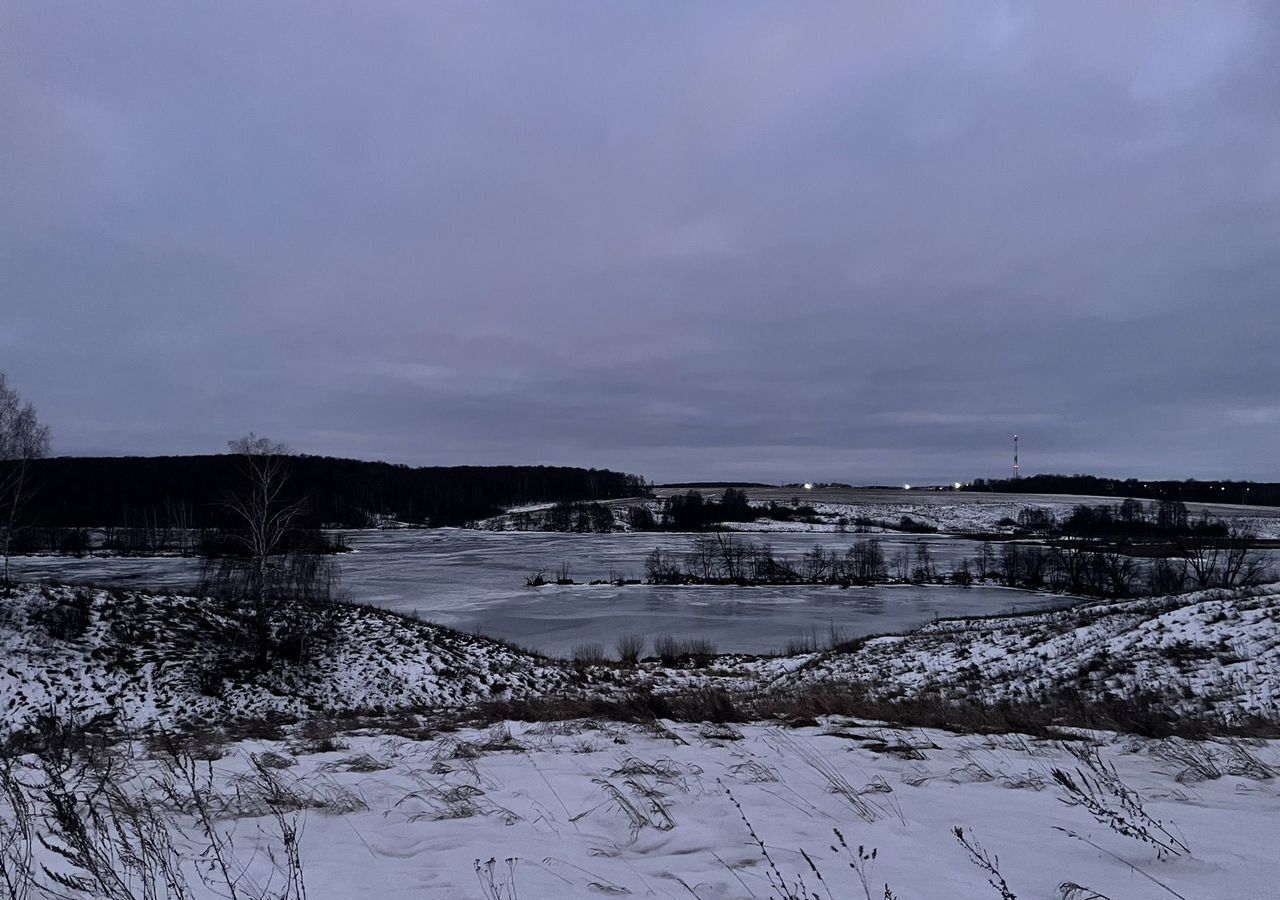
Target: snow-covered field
x=982, y=515
x=967, y=512
x=986, y=515
x=588, y=809
x=949, y=512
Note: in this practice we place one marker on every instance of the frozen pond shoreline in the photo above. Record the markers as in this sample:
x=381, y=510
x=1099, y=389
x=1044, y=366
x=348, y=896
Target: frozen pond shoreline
x=475, y=580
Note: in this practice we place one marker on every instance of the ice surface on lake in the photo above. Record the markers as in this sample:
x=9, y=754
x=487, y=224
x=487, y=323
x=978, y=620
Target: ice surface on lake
x=475, y=580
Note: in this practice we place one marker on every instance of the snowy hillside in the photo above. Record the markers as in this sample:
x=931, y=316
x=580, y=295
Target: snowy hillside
x=148, y=659
x=1215, y=653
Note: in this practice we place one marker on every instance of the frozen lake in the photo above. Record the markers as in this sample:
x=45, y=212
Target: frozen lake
x=475, y=581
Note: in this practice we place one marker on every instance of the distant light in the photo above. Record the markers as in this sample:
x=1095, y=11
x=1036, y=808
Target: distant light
x=808, y=485
x=958, y=485
x=906, y=487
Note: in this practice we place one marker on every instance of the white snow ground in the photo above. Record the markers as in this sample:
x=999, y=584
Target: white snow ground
x=588, y=809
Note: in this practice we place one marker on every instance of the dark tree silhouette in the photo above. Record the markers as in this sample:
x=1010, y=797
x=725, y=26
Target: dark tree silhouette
x=22, y=439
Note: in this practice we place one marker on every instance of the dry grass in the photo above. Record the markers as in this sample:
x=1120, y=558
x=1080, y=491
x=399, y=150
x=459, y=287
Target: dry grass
x=1147, y=714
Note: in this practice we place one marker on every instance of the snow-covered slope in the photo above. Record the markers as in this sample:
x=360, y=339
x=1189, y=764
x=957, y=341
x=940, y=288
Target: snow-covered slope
x=1213, y=652
x=149, y=659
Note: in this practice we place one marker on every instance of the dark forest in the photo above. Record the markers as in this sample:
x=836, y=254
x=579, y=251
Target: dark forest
x=187, y=491
x=1258, y=493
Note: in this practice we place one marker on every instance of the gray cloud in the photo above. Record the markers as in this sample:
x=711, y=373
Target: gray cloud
x=690, y=240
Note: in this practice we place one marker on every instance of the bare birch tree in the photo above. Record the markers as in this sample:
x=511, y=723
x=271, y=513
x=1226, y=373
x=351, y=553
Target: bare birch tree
x=265, y=516
x=22, y=439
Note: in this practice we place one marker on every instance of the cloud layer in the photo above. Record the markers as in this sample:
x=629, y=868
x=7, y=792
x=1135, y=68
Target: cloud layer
x=768, y=241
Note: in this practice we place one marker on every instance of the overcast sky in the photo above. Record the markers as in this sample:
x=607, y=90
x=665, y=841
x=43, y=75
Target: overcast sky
x=862, y=242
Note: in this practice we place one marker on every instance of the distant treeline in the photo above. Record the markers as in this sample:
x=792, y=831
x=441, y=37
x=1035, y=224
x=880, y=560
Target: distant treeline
x=1261, y=493
x=1081, y=566
x=186, y=492
x=691, y=511
x=1124, y=522
x=680, y=512
x=716, y=484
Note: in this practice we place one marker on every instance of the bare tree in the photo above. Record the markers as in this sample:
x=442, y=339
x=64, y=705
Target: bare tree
x=1119, y=570
x=1242, y=567
x=1130, y=511
x=986, y=560
x=733, y=556
x=815, y=565
x=265, y=516
x=263, y=510
x=1171, y=515
x=661, y=567
x=1073, y=561
x=1035, y=562
x=1166, y=576
x=701, y=558
x=22, y=439
x=924, y=569
x=1203, y=557
x=865, y=561
x=901, y=565
x=1010, y=563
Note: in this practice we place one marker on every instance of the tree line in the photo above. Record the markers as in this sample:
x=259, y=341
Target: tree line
x=690, y=511
x=1073, y=565
x=1259, y=493
x=1100, y=568
x=721, y=558
x=1124, y=522
x=185, y=492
